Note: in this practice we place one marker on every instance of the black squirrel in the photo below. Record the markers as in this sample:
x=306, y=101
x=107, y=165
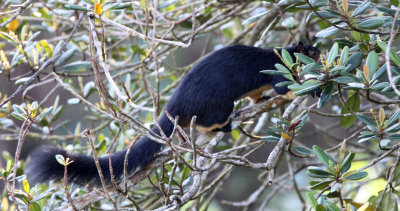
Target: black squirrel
x=208, y=91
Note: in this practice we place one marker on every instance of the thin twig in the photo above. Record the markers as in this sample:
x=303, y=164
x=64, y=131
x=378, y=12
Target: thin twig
x=47, y=63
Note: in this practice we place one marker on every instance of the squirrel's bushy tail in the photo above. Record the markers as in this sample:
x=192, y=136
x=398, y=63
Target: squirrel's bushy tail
x=43, y=165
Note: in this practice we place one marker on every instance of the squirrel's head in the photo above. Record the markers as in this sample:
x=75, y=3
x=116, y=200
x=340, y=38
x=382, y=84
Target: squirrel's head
x=307, y=50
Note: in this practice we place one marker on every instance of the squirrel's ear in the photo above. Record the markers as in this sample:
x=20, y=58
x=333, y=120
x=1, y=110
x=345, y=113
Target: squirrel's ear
x=300, y=47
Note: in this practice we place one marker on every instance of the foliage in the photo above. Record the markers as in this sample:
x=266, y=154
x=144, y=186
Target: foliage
x=117, y=62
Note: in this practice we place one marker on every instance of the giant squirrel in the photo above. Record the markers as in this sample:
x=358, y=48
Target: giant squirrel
x=208, y=91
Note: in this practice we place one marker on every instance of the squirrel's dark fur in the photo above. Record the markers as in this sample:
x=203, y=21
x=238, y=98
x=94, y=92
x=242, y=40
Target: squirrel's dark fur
x=207, y=91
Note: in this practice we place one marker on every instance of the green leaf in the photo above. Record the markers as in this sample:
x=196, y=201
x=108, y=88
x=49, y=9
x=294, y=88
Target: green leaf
x=24, y=31
x=89, y=2
x=332, y=207
x=344, y=56
x=307, y=90
x=76, y=7
x=389, y=202
x=328, y=14
x=18, y=116
x=185, y=173
x=7, y=37
x=64, y=57
x=356, y=176
x=346, y=164
x=393, y=56
x=282, y=68
x=356, y=86
x=384, y=143
x=7, y=156
x=124, y=5
x=19, y=109
x=310, y=69
x=35, y=207
x=36, y=34
x=287, y=2
x=311, y=199
x=303, y=151
x=372, y=23
x=333, y=53
x=354, y=103
x=43, y=195
x=360, y=9
x=372, y=63
x=354, y=61
x=270, y=139
x=112, y=6
x=77, y=67
x=327, y=32
x=320, y=185
x=368, y=121
x=319, y=3
x=274, y=72
x=255, y=18
x=304, y=59
x=393, y=128
x=326, y=95
x=319, y=171
x=320, y=207
x=8, y=168
x=386, y=10
x=284, y=83
x=393, y=118
x=394, y=2
x=344, y=80
x=44, y=113
x=322, y=156
x=287, y=58
x=379, y=73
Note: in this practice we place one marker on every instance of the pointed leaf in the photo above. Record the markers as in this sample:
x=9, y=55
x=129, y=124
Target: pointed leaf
x=360, y=9
x=368, y=121
x=346, y=164
x=393, y=118
x=287, y=58
x=356, y=176
x=322, y=156
x=372, y=23
x=311, y=199
x=372, y=62
x=393, y=56
x=354, y=103
x=307, y=90
x=344, y=56
x=304, y=59
x=303, y=151
x=326, y=95
x=354, y=61
x=327, y=32
x=333, y=53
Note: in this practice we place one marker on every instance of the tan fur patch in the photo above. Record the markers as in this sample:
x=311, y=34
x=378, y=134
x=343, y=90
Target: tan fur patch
x=289, y=95
x=256, y=94
x=212, y=127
